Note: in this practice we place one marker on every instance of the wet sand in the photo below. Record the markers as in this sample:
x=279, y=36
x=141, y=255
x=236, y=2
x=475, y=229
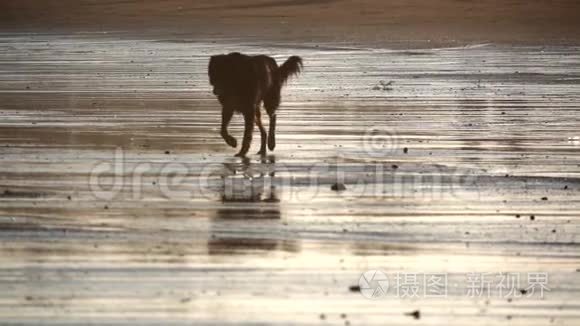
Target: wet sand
x=121, y=204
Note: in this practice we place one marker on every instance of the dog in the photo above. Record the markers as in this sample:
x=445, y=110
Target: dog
x=241, y=83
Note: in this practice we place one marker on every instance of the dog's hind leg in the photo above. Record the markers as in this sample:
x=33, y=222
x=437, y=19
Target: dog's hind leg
x=272, y=133
x=271, y=103
x=263, y=134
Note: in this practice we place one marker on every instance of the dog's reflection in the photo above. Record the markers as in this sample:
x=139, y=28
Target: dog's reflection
x=249, y=197
x=250, y=183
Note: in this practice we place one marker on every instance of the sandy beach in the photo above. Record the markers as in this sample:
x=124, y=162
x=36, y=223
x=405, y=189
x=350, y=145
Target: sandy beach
x=457, y=143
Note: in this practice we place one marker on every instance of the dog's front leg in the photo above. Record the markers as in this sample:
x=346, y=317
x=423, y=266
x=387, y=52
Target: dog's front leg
x=227, y=114
x=248, y=130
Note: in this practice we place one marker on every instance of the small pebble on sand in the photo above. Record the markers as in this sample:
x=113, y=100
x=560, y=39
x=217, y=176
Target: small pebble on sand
x=415, y=314
x=338, y=187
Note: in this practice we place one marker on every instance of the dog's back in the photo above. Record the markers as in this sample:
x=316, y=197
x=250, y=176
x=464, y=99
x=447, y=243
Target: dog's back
x=266, y=72
x=234, y=72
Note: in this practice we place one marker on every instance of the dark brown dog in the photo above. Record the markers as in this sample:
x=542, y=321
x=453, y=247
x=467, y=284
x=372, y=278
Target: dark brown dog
x=241, y=83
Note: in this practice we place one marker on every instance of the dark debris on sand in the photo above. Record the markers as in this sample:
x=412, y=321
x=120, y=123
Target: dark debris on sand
x=415, y=314
x=338, y=187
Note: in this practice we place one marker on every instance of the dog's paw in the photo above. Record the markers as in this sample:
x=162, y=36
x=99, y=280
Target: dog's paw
x=232, y=142
x=271, y=143
x=242, y=155
x=261, y=152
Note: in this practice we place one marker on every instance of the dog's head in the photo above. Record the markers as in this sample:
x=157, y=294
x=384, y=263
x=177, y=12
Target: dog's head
x=220, y=70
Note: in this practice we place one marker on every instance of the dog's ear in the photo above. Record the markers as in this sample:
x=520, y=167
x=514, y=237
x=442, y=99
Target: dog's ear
x=215, y=58
x=219, y=61
x=214, y=68
x=212, y=63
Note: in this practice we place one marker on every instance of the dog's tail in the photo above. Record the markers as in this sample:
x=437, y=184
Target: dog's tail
x=291, y=67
